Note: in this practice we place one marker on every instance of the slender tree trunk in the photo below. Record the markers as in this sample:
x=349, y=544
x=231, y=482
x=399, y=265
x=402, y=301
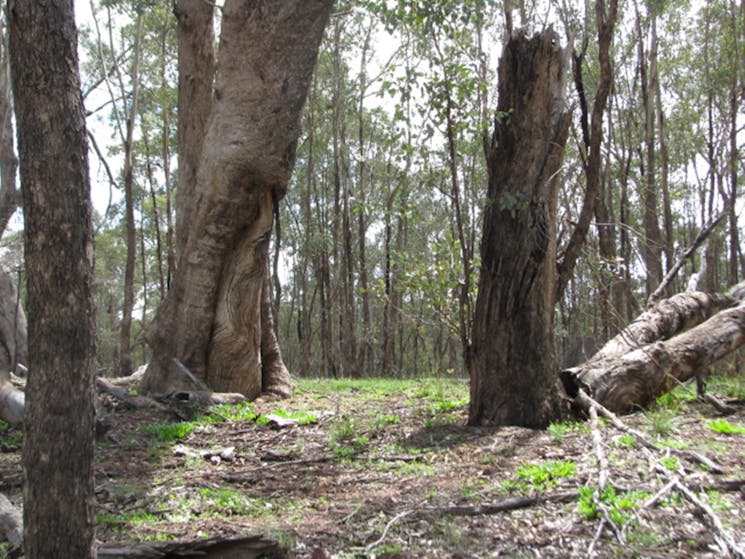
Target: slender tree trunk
x=652, y=246
x=166, y=157
x=365, y=349
x=734, y=110
x=512, y=363
x=59, y=417
x=212, y=319
x=593, y=138
x=125, y=331
x=9, y=194
x=156, y=222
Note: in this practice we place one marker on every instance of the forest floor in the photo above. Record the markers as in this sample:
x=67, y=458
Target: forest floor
x=388, y=468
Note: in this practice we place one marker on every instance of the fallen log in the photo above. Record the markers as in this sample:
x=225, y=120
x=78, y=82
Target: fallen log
x=243, y=547
x=623, y=381
x=665, y=320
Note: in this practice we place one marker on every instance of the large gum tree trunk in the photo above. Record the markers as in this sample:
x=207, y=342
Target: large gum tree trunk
x=213, y=319
x=512, y=369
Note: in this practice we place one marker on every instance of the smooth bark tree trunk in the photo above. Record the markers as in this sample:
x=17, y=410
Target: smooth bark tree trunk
x=652, y=242
x=196, y=74
x=59, y=417
x=125, y=330
x=512, y=363
x=668, y=344
x=211, y=320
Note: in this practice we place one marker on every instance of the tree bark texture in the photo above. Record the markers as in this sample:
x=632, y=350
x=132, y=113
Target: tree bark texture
x=667, y=344
x=512, y=356
x=59, y=417
x=196, y=73
x=212, y=318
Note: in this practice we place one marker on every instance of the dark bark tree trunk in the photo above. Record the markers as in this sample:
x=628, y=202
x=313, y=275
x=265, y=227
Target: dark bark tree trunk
x=59, y=417
x=667, y=344
x=211, y=320
x=512, y=362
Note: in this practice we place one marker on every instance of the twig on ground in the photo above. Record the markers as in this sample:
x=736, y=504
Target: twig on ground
x=588, y=403
x=723, y=537
x=400, y=516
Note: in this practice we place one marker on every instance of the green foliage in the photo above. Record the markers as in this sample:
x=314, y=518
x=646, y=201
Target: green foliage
x=303, y=417
x=9, y=438
x=123, y=520
x=169, y=432
x=540, y=477
x=227, y=501
x=243, y=411
x=346, y=438
x=620, y=507
x=626, y=441
x=559, y=430
x=725, y=427
x=661, y=421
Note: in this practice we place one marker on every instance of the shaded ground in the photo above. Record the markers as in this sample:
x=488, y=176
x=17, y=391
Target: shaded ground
x=388, y=469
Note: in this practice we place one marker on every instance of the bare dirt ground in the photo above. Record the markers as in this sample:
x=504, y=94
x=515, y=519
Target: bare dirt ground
x=389, y=469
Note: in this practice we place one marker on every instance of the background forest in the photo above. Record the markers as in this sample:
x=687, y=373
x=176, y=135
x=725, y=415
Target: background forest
x=375, y=255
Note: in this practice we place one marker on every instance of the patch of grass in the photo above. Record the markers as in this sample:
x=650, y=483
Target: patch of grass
x=540, y=476
x=620, y=507
x=670, y=463
x=226, y=501
x=559, y=430
x=731, y=387
x=467, y=491
x=243, y=411
x=303, y=417
x=122, y=520
x=346, y=437
x=626, y=441
x=448, y=405
x=169, y=432
x=725, y=427
x=676, y=398
x=384, y=420
x=717, y=501
x=661, y=421
x=417, y=468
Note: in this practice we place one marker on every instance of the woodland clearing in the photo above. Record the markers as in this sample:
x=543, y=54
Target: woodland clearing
x=388, y=468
